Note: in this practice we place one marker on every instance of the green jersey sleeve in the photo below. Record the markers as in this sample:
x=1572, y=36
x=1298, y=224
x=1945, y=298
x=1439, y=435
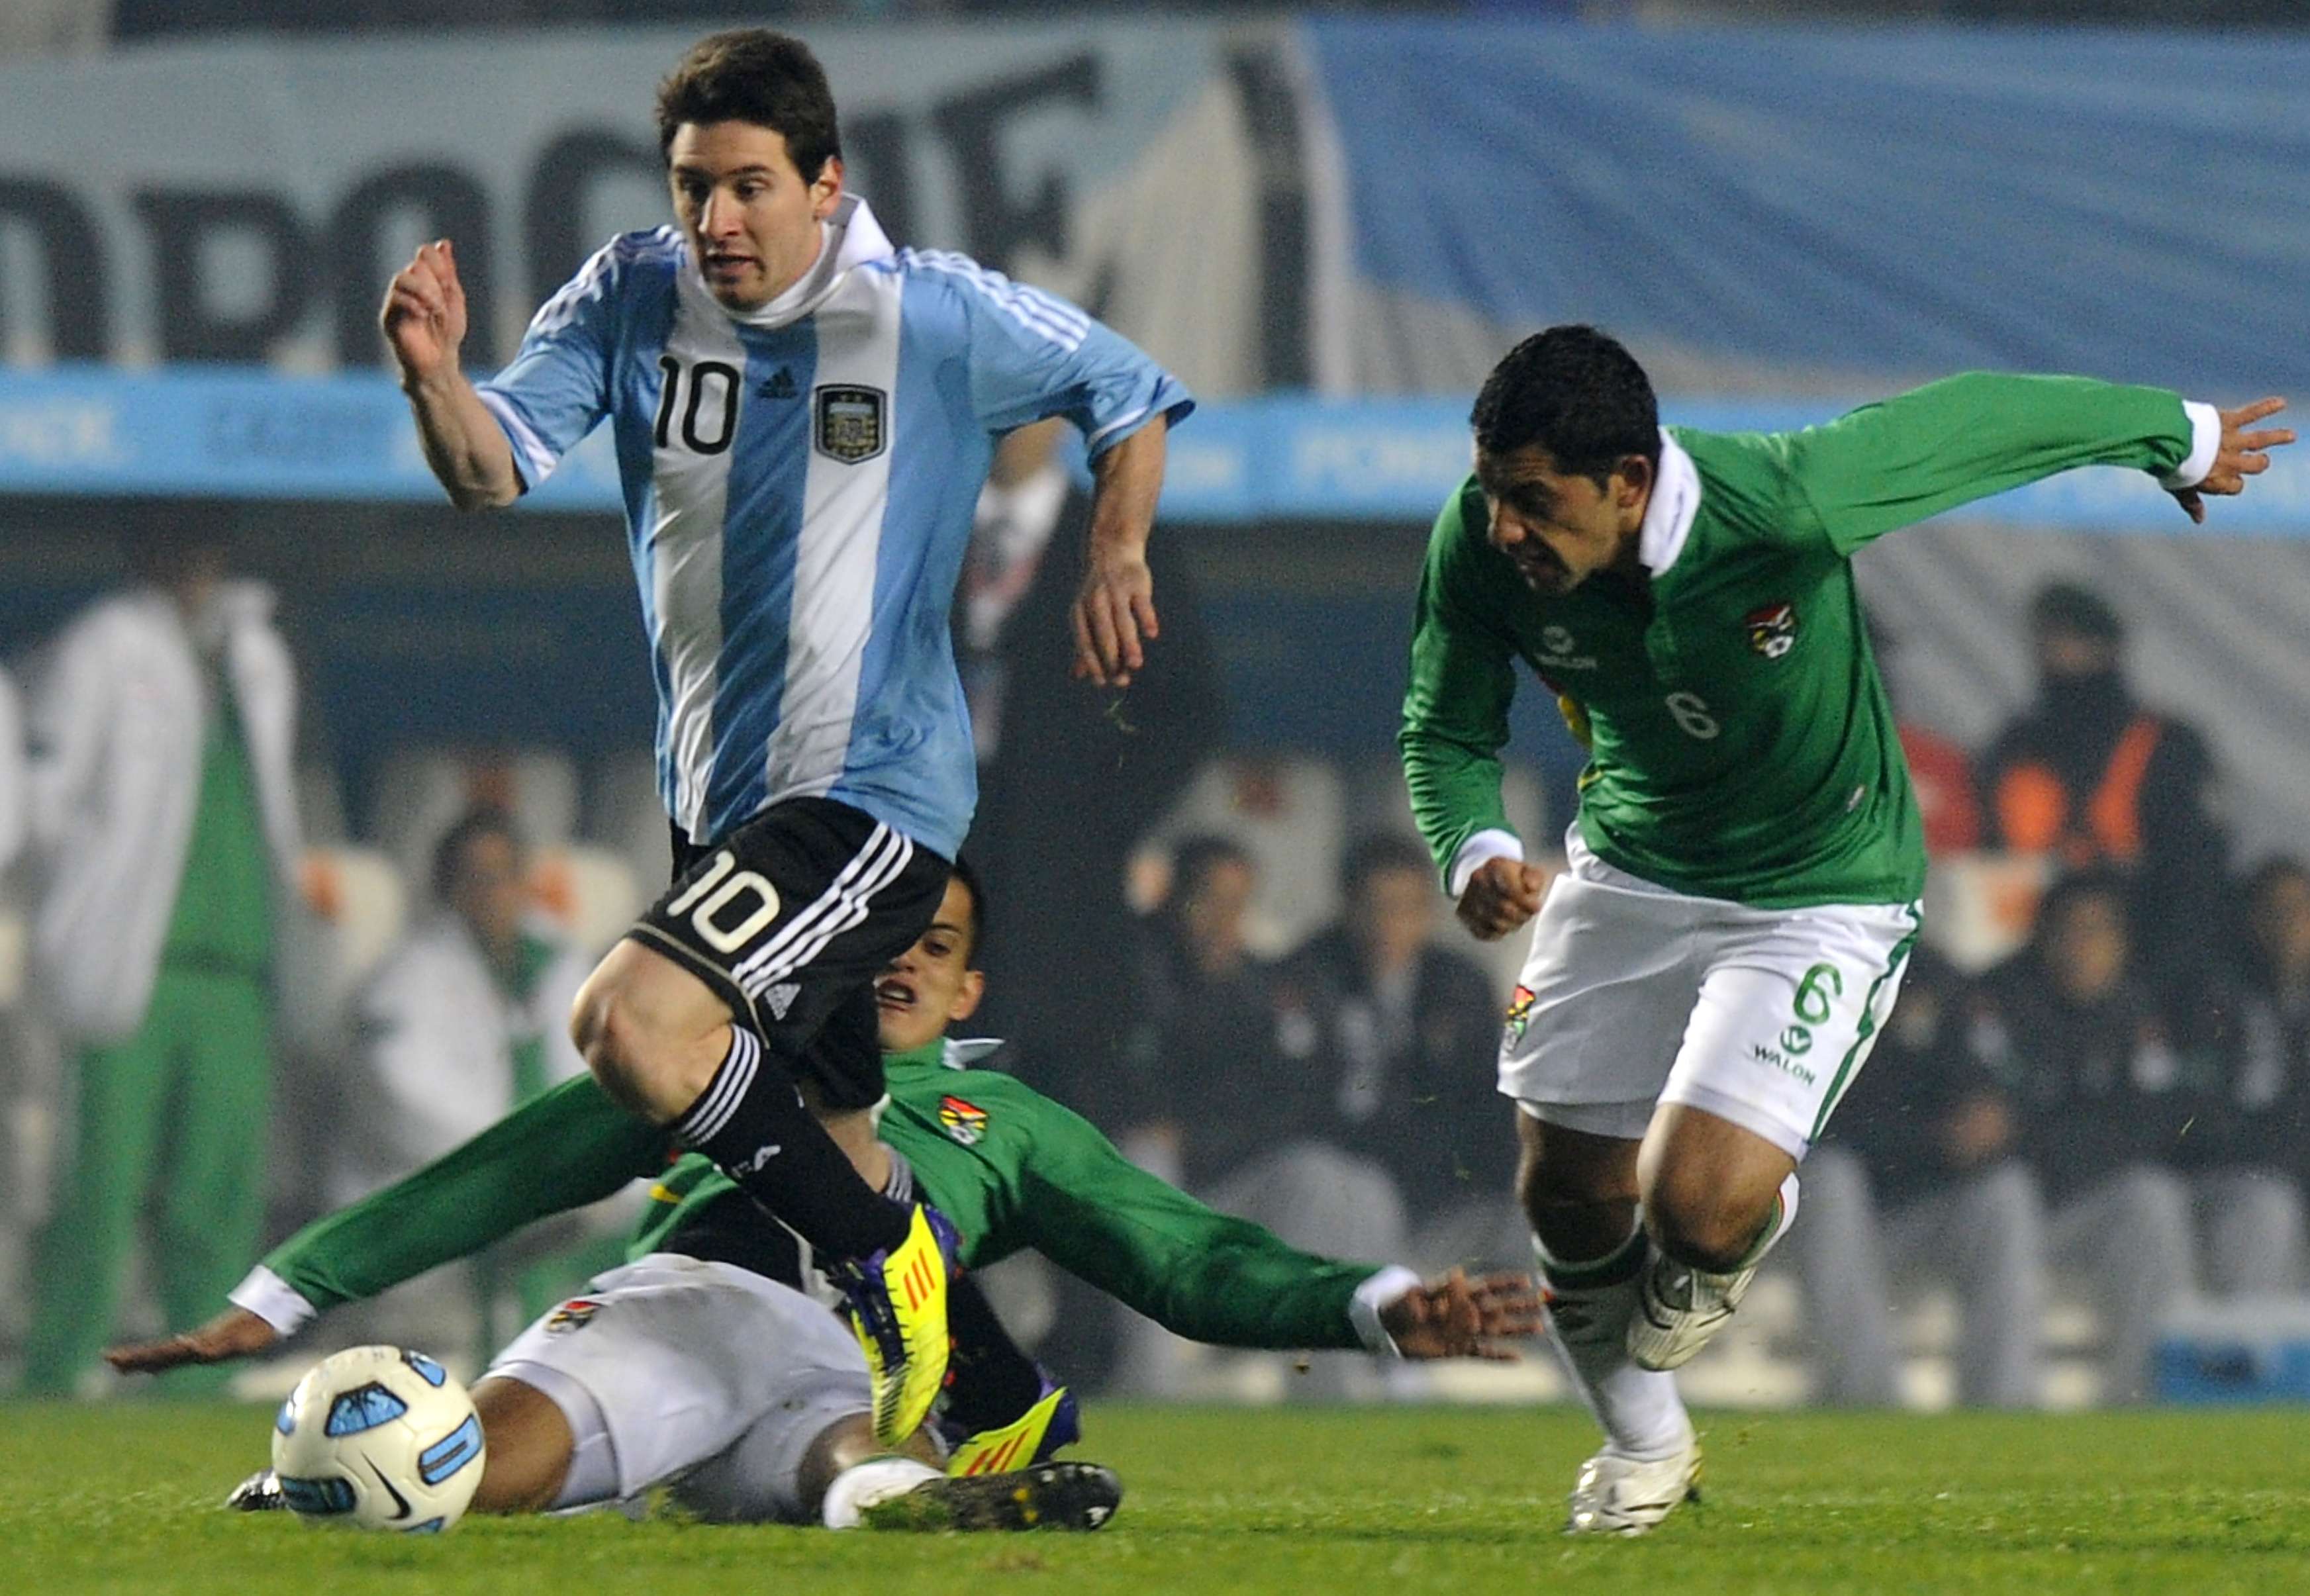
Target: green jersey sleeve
x=1456, y=708
x=568, y=1147
x=1195, y=1271
x=1967, y=437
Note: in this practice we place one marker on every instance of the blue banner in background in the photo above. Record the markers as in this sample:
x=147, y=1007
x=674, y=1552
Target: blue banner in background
x=1823, y=207
x=242, y=434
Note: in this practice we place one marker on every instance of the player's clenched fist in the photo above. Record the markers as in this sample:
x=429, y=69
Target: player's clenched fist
x=1502, y=895
x=425, y=315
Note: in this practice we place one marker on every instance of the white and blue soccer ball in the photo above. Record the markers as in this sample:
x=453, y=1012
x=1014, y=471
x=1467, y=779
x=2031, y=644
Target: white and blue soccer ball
x=378, y=1438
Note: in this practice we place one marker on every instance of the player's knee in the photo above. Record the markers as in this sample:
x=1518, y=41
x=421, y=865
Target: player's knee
x=529, y=1448
x=1703, y=1226
x=615, y=1035
x=1557, y=1192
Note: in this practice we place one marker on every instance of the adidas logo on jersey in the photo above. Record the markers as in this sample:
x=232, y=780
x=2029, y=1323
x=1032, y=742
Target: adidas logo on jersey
x=781, y=998
x=781, y=385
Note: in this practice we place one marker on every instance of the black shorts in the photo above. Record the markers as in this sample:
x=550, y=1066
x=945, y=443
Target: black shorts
x=789, y=919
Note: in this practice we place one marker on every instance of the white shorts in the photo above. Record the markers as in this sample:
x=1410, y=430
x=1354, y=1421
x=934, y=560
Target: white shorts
x=1635, y=995
x=701, y=1375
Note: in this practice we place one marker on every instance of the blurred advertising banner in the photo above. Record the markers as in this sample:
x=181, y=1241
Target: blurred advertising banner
x=1351, y=206
x=1817, y=209
x=246, y=201
x=245, y=433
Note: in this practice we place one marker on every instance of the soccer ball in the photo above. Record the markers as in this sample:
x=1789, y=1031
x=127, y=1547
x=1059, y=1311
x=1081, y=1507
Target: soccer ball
x=378, y=1439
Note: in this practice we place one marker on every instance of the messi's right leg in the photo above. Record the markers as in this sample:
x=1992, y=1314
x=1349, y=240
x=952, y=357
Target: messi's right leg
x=754, y=971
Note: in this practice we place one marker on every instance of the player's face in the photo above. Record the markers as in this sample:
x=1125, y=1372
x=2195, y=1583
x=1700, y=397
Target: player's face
x=489, y=890
x=751, y=217
x=1560, y=529
x=931, y=985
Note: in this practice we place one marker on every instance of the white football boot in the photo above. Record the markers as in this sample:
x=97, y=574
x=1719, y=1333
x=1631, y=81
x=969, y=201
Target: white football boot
x=1626, y=1495
x=1679, y=1308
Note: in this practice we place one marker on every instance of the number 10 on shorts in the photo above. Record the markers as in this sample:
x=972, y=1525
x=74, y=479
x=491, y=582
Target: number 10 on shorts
x=721, y=892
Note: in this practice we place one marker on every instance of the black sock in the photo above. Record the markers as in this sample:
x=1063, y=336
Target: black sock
x=994, y=1381
x=752, y=1122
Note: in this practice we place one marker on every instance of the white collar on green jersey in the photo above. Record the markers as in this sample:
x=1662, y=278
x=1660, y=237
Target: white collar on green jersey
x=1668, y=513
x=968, y=1052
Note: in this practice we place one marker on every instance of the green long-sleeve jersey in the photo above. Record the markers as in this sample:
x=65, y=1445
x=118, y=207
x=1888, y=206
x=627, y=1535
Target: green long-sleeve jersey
x=1013, y=1169
x=1740, y=745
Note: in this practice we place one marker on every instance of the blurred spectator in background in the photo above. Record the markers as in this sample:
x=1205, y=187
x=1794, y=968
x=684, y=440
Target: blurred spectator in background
x=1920, y=1174
x=166, y=829
x=2092, y=778
x=1941, y=771
x=1203, y=1082
x=1401, y=1039
x=467, y=1019
x=1071, y=777
x=1214, y=1098
x=2105, y=1105
x=2247, y=1017
x=14, y=802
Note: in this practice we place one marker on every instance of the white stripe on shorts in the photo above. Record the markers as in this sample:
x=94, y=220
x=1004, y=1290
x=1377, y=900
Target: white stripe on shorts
x=876, y=864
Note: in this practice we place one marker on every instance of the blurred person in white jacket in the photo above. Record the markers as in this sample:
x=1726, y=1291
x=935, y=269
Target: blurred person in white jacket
x=467, y=1019
x=164, y=836
x=13, y=806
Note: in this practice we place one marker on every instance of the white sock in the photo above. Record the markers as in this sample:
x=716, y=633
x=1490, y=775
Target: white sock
x=868, y=1484
x=1589, y=1307
x=1785, y=1214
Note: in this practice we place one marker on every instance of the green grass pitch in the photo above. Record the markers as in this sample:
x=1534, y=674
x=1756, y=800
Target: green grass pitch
x=123, y=1498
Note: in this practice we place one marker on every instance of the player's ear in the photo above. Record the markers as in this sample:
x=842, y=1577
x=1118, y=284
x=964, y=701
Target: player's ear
x=826, y=190
x=1634, y=474
x=967, y=995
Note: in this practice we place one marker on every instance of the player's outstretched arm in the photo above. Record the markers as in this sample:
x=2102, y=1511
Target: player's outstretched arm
x=2245, y=452
x=424, y=323
x=1458, y=1317
x=234, y=1333
x=1115, y=613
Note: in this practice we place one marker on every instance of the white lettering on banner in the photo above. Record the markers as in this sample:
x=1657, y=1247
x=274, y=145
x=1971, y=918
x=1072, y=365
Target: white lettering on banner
x=61, y=432
x=1363, y=461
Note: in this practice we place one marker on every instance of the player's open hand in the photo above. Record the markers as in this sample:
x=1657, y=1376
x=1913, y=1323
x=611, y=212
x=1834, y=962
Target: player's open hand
x=234, y=1333
x=1458, y=1317
x=1114, y=618
x=424, y=314
x=2243, y=453
x=1502, y=894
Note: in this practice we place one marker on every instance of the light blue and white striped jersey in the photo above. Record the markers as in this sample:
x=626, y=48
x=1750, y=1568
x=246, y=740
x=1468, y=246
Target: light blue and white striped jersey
x=799, y=483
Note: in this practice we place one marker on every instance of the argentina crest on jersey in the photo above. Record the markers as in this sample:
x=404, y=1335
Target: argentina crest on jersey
x=850, y=422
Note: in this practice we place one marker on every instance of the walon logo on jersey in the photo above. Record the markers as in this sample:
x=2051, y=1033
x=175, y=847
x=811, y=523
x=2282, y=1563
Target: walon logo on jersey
x=851, y=423
x=1557, y=646
x=1773, y=629
x=965, y=1121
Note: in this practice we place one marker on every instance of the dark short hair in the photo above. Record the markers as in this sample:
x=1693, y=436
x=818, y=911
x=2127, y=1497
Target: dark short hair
x=1577, y=394
x=2074, y=608
x=482, y=820
x=752, y=74
x=974, y=952
x=1376, y=852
